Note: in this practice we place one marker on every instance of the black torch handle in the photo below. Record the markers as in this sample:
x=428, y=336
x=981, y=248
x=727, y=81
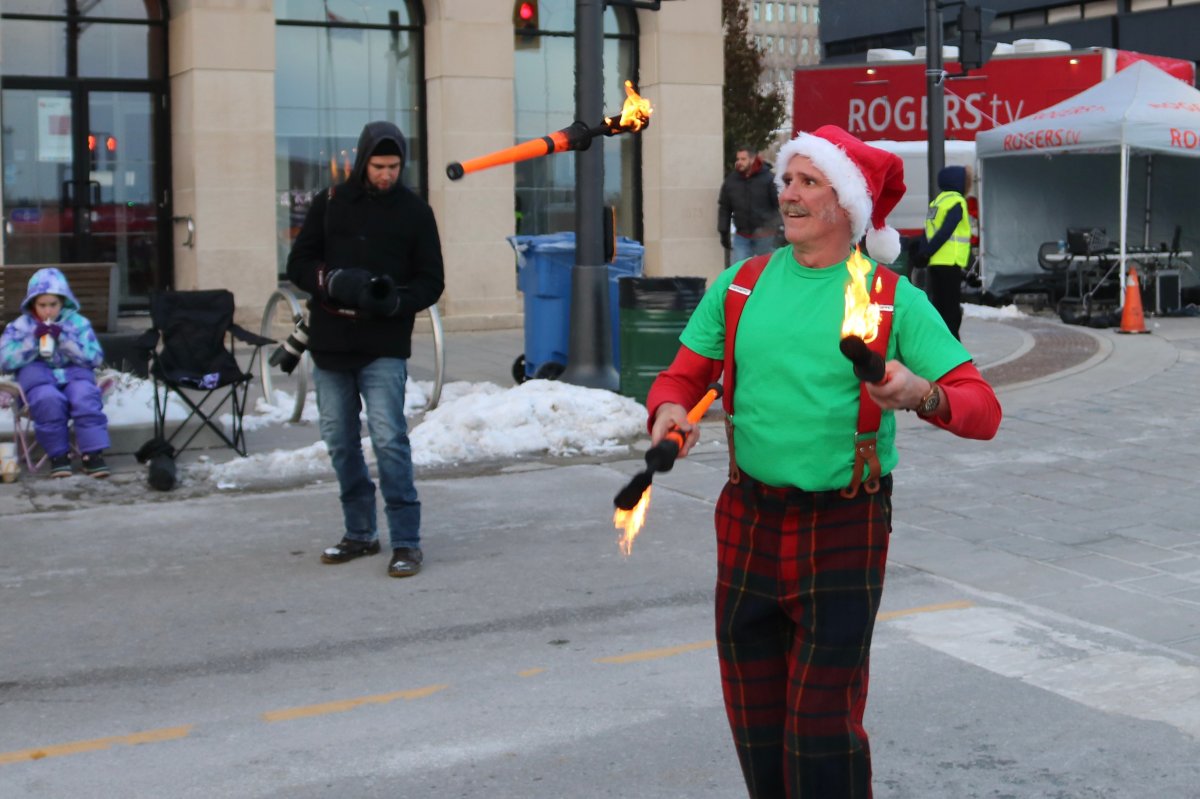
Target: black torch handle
x=868, y=366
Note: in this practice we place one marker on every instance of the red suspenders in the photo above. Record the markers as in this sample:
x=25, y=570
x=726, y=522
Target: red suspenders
x=883, y=293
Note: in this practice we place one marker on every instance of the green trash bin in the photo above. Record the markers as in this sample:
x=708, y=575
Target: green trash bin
x=653, y=312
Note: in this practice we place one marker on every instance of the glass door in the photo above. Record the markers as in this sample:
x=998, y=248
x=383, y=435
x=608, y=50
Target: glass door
x=120, y=191
x=80, y=182
x=39, y=176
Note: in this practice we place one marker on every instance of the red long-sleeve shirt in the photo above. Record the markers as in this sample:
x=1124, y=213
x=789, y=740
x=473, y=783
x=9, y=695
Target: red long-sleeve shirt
x=974, y=410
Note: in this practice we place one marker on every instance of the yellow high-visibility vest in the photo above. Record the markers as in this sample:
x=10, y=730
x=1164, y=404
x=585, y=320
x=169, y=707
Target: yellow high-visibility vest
x=957, y=249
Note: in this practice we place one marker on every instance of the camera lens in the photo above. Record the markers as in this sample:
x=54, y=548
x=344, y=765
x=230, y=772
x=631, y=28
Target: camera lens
x=288, y=354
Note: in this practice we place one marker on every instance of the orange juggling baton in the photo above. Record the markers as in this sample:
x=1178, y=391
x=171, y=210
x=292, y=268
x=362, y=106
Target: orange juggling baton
x=661, y=457
x=635, y=116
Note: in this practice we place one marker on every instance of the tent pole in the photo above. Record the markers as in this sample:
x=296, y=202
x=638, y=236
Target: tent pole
x=1149, y=184
x=1124, y=217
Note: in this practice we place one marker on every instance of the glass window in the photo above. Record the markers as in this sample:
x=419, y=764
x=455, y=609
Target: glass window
x=1029, y=19
x=44, y=7
x=351, y=12
x=1100, y=8
x=1063, y=13
x=330, y=80
x=768, y=12
x=804, y=13
x=816, y=15
x=757, y=14
x=544, y=101
x=804, y=48
x=791, y=12
x=119, y=9
x=120, y=51
x=33, y=48
x=779, y=12
x=93, y=9
x=1147, y=5
x=50, y=48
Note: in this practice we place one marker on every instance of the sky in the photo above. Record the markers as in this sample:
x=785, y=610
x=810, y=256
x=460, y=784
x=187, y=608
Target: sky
x=474, y=422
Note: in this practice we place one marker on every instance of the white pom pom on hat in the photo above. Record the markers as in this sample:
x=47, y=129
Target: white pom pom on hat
x=868, y=181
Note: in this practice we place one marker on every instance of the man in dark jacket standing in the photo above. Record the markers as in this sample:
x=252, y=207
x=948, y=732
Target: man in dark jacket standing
x=749, y=197
x=370, y=256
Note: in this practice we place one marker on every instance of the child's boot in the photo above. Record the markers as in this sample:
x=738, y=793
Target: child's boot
x=94, y=465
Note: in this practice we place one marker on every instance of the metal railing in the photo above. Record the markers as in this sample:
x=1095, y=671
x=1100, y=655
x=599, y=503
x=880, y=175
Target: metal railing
x=285, y=294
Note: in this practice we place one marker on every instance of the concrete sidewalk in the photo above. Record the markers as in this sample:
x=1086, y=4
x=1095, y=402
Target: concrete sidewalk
x=1014, y=351
x=472, y=357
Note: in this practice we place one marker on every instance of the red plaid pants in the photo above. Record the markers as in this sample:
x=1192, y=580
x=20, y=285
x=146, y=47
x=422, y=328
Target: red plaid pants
x=799, y=580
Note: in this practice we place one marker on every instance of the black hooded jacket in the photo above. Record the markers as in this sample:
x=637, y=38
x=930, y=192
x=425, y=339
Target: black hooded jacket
x=750, y=200
x=392, y=233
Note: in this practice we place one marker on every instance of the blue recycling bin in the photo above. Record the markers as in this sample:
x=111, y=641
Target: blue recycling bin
x=544, y=265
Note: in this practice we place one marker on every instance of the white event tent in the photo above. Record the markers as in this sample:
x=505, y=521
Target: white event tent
x=1123, y=155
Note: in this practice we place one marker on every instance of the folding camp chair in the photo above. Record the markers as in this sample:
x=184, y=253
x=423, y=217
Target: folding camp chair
x=195, y=364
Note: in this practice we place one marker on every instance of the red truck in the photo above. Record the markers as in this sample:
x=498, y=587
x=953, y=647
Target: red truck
x=884, y=102
x=886, y=99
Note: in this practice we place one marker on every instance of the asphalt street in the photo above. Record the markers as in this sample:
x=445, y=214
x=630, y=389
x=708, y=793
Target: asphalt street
x=1039, y=636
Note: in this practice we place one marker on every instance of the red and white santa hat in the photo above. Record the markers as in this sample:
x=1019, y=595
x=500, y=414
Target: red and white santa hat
x=868, y=181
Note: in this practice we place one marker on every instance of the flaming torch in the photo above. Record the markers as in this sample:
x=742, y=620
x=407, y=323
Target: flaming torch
x=860, y=325
x=633, y=500
x=634, y=117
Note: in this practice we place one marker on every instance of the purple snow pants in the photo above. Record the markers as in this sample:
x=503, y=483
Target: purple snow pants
x=52, y=405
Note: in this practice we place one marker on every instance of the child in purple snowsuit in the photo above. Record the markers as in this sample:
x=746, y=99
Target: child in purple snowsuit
x=54, y=352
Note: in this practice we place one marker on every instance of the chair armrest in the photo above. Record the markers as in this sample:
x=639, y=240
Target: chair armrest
x=147, y=341
x=242, y=334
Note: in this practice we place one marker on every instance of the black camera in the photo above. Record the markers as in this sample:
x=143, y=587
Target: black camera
x=289, y=353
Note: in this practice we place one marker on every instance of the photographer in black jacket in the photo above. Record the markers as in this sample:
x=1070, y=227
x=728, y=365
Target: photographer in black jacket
x=370, y=256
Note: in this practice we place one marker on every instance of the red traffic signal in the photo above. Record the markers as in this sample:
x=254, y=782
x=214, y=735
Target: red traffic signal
x=525, y=16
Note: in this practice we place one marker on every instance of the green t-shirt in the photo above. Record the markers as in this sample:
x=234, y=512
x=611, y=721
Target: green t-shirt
x=796, y=396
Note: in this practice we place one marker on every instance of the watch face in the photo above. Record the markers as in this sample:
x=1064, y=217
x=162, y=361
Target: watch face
x=931, y=402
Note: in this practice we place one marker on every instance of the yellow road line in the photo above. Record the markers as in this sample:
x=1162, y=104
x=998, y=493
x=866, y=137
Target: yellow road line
x=342, y=705
x=655, y=654
x=959, y=604
x=76, y=747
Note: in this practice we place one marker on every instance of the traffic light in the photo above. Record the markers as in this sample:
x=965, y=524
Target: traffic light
x=525, y=17
x=973, y=50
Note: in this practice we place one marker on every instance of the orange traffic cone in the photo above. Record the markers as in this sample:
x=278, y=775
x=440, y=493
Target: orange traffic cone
x=1132, y=320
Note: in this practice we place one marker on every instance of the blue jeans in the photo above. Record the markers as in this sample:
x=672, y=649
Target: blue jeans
x=381, y=384
x=744, y=247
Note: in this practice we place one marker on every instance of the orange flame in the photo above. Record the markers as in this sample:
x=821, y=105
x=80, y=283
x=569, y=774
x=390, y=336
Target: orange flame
x=635, y=113
x=631, y=521
x=862, y=315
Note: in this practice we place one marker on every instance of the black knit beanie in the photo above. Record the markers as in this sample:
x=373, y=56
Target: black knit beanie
x=387, y=147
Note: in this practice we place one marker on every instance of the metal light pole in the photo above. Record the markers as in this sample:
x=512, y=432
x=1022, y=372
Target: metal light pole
x=934, y=94
x=589, y=346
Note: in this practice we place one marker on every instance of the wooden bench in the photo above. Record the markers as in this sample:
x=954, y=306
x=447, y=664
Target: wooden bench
x=94, y=285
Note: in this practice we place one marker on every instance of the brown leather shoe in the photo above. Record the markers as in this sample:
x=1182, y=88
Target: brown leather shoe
x=406, y=561
x=347, y=549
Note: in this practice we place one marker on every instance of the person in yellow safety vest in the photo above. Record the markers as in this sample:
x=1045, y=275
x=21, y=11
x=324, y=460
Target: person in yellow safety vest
x=947, y=244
